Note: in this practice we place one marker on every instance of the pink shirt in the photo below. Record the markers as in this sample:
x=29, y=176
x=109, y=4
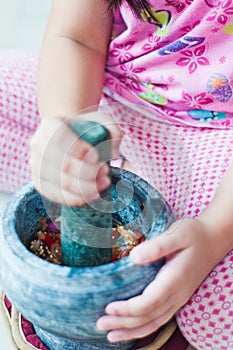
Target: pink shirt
x=180, y=67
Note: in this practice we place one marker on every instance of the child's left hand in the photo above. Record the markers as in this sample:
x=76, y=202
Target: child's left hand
x=191, y=250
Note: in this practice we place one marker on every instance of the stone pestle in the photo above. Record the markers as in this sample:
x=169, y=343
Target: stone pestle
x=86, y=232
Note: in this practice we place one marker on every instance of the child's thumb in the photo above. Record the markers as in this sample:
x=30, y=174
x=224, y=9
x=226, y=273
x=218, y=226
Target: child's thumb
x=156, y=248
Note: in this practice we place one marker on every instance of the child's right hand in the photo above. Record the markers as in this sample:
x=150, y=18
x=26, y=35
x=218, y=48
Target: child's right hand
x=66, y=169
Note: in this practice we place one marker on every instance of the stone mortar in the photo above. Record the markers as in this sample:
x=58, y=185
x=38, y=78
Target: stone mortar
x=64, y=302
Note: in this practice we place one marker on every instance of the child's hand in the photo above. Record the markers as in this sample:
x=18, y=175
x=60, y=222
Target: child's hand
x=65, y=168
x=191, y=253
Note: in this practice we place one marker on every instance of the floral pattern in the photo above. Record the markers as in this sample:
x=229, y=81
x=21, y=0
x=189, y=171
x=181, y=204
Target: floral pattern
x=188, y=28
x=192, y=59
x=176, y=61
x=198, y=100
x=131, y=78
x=152, y=43
x=179, y=4
x=222, y=13
x=122, y=51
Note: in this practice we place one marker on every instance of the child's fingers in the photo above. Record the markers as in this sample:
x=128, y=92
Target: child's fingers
x=141, y=331
x=82, y=150
x=157, y=248
x=108, y=123
x=83, y=190
x=155, y=296
x=163, y=291
x=108, y=322
x=54, y=139
x=55, y=194
x=82, y=170
x=73, y=168
x=63, y=144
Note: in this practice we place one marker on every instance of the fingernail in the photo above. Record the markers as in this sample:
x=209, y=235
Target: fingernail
x=114, y=337
x=99, y=326
x=103, y=183
x=111, y=310
x=104, y=170
x=137, y=258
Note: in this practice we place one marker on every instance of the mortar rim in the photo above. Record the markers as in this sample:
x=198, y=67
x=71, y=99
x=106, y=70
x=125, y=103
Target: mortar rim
x=25, y=255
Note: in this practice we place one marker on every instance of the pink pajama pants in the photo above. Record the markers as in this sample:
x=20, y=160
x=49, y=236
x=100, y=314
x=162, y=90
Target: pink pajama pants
x=19, y=116
x=184, y=163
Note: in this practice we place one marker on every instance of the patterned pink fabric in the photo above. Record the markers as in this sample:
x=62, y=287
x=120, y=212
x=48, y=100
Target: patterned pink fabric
x=184, y=163
x=19, y=116
x=179, y=65
x=206, y=321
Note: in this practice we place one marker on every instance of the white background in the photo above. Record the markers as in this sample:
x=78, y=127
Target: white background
x=22, y=22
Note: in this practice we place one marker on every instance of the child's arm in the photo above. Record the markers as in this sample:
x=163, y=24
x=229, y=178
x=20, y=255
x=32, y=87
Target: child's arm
x=73, y=56
x=70, y=79
x=192, y=247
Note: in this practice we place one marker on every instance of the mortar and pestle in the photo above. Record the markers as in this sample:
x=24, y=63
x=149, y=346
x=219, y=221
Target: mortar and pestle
x=64, y=301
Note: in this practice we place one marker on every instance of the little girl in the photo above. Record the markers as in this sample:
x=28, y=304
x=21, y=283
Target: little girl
x=162, y=72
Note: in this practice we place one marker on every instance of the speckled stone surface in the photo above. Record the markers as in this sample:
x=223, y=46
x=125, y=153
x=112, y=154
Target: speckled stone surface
x=66, y=301
x=86, y=232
